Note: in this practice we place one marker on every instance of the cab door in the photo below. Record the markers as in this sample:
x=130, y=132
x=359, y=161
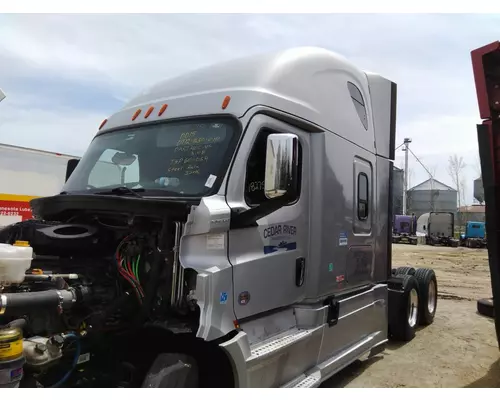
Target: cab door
x=360, y=265
x=270, y=259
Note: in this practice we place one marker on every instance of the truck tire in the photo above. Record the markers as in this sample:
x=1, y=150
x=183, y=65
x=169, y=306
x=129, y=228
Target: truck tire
x=404, y=322
x=405, y=271
x=172, y=371
x=485, y=307
x=394, y=270
x=427, y=285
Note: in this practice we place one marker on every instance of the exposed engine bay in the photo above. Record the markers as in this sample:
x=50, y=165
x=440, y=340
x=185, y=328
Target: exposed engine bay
x=103, y=296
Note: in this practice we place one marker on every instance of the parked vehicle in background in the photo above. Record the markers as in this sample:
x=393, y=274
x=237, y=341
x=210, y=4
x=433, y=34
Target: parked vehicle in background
x=441, y=229
x=404, y=229
x=474, y=235
x=26, y=174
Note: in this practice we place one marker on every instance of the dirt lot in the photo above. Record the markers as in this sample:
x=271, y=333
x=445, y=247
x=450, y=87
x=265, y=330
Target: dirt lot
x=459, y=349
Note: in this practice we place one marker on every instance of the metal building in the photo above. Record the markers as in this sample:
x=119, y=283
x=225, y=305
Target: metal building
x=397, y=191
x=474, y=212
x=432, y=195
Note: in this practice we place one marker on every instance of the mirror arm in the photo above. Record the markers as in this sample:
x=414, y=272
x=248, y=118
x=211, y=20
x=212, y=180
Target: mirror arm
x=249, y=218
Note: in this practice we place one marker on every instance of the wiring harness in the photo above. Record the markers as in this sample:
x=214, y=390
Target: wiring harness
x=128, y=258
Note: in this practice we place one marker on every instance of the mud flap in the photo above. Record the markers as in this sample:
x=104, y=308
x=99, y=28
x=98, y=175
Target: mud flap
x=395, y=289
x=172, y=371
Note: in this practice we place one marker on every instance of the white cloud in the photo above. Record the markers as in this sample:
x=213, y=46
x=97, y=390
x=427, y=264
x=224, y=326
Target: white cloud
x=63, y=130
x=441, y=134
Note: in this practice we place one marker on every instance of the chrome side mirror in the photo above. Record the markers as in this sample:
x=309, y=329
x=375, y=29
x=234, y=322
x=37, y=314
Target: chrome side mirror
x=282, y=160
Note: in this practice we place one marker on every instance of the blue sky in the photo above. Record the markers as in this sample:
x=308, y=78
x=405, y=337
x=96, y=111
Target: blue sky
x=63, y=74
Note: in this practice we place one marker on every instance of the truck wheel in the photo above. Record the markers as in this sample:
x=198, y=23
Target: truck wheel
x=402, y=328
x=172, y=371
x=427, y=285
x=485, y=307
x=405, y=271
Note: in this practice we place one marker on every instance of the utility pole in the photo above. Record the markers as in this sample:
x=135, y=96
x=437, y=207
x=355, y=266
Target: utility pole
x=406, y=148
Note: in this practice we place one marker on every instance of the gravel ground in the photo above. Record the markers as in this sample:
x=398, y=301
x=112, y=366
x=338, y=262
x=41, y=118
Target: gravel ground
x=459, y=349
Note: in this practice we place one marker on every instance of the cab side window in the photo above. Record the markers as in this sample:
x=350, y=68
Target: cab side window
x=256, y=168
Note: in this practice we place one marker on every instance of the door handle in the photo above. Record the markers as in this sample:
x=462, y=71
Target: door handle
x=300, y=271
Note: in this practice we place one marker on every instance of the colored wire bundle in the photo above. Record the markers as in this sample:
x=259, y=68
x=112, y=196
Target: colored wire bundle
x=128, y=267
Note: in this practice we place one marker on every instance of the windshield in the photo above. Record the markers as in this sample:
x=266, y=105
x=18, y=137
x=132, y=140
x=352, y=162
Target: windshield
x=183, y=158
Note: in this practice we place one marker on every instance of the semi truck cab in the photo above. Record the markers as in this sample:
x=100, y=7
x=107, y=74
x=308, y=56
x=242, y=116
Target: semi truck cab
x=405, y=229
x=240, y=217
x=474, y=235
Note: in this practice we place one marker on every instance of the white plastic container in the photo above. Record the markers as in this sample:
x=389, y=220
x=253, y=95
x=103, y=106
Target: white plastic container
x=15, y=260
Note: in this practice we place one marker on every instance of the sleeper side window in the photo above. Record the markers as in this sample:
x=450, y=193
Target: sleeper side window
x=256, y=169
x=359, y=103
x=363, y=196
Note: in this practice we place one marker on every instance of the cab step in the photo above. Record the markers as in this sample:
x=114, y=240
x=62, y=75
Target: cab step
x=278, y=342
x=305, y=381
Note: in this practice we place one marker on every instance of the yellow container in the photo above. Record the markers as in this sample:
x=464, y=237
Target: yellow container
x=11, y=344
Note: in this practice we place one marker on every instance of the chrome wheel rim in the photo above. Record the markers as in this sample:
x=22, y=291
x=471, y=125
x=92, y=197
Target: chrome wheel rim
x=413, y=308
x=431, y=302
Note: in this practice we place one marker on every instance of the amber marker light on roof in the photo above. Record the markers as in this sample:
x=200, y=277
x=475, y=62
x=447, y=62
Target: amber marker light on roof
x=148, y=113
x=102, y=124
x=136, y=114
x=225, y=102
x=162, y=109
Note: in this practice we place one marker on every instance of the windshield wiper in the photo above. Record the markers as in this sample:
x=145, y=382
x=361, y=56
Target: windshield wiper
x=123, y=190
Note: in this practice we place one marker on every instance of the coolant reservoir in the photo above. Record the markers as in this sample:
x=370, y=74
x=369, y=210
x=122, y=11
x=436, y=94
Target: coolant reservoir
x=14, y=261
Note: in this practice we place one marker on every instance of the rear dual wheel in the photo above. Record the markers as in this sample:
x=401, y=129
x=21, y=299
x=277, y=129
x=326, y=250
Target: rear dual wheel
x=418, y=302
x=427, y=284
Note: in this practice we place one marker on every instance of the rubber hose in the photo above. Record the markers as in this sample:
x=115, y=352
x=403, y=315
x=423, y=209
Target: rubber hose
x=12, y=304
